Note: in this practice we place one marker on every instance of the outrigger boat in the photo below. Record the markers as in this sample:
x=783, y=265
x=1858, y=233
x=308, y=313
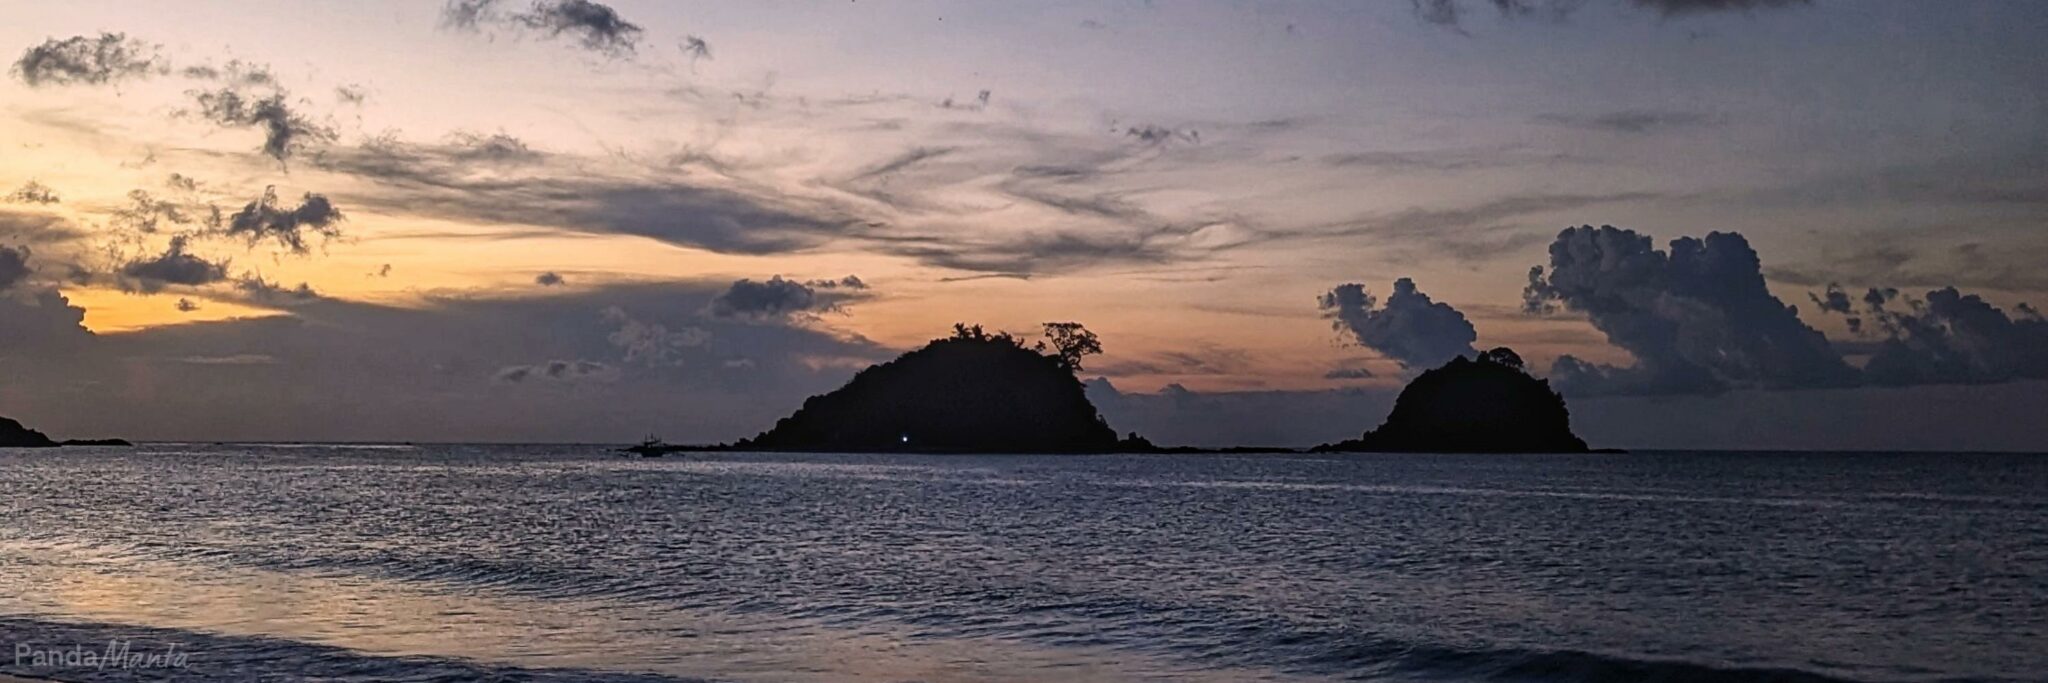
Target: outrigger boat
x=650, y=447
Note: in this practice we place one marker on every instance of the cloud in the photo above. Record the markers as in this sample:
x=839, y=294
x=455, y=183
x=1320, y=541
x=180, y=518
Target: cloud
x=1411, y=329
x=1632, y=121
x=1348, y=373
x=285, y=132
x=1153, y=134
x=14, y=268
x=1451, y=13
x=495, y=148
x=146, y=214
x=1698, y=320
x=265, y=219
x=173, y=267
x=235, y=73
x=549, y=279
x=596, y=26
x=186, y=305
x=695, y=48
x=1947, y=338
x=440, y=181
x=257, y=290
x=1677, y=7
x=652, y=344
x=107, y=58
x=33, y=192
x=774, y=299
x=558, y=371
x=40, y=325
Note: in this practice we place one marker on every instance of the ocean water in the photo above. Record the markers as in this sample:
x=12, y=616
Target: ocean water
x=557, y=563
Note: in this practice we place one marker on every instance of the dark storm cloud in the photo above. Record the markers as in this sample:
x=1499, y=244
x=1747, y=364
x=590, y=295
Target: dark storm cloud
x=1411, y=329
x=266, y=219
x=1947, y=338
x=285, y=132
x=549, y=279
x=107, y=58
x=1698, y=320
x=596, y=26
x=14, y=266
x=1633, y=121
x=173, y=267
x=774, y=298
x=33, y=192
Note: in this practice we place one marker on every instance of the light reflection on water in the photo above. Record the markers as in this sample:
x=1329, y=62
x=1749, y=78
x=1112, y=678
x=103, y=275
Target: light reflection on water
x=1047, y=568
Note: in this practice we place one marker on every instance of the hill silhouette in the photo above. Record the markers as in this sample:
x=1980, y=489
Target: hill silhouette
x=973, y=392
x=13, y=435
x=1484, y=405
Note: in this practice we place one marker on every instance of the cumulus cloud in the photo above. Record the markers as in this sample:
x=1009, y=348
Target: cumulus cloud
x=173, y=267
x=596, y=26
x=1947, y=338
x=33, y=192
x=549, y=279
x=106, y=58
x=38, y=321
x=770, y=299
x=652, y=344
x=285, y=132
x=1697, y=320
x=1410, y=328
x=266, y=219
x=14, y=268
x=558, y=371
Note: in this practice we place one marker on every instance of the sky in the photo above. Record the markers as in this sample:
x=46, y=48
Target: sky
x=1710, y=223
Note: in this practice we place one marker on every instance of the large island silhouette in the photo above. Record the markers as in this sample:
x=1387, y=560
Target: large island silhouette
x=973, y=392
x=1488, y=404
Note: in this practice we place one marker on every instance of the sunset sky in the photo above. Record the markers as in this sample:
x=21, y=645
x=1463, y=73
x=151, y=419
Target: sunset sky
x=571, y=221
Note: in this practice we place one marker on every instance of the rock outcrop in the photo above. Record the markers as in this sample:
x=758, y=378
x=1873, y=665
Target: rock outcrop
x=1484, y=405
x=13, y=435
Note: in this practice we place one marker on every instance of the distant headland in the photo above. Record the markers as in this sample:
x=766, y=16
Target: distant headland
x=1489, y=404
x=14, y=435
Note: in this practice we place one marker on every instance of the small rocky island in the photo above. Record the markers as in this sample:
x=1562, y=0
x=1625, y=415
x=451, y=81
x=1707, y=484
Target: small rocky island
x=973, y=392
x=13, y=435
x=1484, y=405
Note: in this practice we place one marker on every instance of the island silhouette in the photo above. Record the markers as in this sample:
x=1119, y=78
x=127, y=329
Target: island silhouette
x=1488, y=404
x=992, y=392
x=972, y=392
